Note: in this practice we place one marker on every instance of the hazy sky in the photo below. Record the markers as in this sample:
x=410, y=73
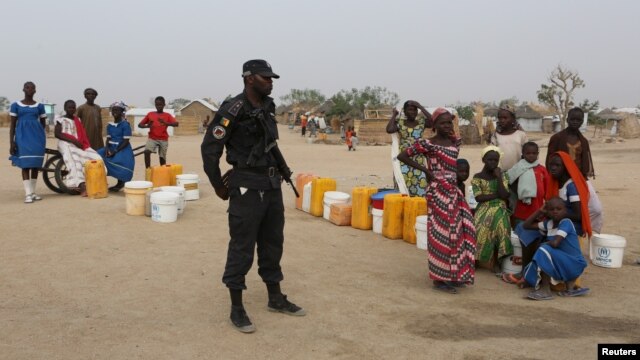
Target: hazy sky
x=437, y=52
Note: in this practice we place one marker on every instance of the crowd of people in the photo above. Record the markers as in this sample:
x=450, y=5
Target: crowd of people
x=552, y=210
x=80, y=138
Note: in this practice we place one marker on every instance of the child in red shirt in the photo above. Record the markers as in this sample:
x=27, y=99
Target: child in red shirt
x=157, y=122
x=529, y=180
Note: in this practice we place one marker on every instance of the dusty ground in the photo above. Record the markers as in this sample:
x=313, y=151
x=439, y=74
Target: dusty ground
x=79, y=279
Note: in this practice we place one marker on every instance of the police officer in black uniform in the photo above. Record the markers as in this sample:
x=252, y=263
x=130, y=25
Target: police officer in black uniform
x=246, y=126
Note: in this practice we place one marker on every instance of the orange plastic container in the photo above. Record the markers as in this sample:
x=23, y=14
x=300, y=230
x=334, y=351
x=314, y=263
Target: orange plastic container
x=340, y=214
x=161, y=176
x=361, y=207
x=301, y=181
x=392, y=224
x=413, y=207
x=176, y=169
x=318, y=187
x=95, y=179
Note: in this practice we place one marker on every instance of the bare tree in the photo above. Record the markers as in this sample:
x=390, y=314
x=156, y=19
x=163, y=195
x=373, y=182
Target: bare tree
x=4, y=103
x=559, y=92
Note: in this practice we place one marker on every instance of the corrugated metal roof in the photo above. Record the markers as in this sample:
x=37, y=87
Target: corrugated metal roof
x=204, y=103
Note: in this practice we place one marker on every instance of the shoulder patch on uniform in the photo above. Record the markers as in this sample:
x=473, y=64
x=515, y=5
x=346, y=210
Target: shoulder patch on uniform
x=225, y=122
x=235, y=108
x=219, y=132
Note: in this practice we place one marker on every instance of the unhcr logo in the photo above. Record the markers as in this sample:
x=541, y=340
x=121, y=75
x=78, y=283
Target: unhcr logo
x=604, y=252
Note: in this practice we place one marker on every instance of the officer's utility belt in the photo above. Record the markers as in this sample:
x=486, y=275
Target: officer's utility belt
x=268, y=171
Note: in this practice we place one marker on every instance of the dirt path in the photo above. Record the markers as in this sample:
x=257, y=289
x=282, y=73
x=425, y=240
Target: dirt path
x=79, y=279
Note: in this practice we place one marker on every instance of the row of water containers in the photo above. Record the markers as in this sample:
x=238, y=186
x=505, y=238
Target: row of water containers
x=164, y=195
x=386, y=212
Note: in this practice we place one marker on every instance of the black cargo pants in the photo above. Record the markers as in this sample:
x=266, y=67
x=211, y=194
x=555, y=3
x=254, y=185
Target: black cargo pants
x=255, y=218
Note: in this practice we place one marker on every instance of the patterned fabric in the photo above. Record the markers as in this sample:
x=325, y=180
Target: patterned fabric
x=436, y=114
x=493, y=230
x=415, y=179
x=119, y=104
x=73, y=156
x=451, y=234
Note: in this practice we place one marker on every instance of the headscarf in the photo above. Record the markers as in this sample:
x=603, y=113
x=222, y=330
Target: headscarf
x=553, y=188
x=508, y=108
x=491, y=148
x=434, y=117
x=119, y=104
x=90, y=89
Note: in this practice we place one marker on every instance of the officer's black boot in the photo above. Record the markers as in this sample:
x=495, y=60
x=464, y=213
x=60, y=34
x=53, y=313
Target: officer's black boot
x=278, y=302
x=239, y=317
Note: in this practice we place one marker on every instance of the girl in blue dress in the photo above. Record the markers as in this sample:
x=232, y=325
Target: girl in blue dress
x=559, y=258
x=27, y=139
x=117, y=153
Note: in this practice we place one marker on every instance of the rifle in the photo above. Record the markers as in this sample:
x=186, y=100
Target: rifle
x=283, y=168
x=272, y=147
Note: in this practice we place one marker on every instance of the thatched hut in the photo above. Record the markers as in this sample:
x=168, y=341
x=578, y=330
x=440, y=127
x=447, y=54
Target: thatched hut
x=528, y=118
x=194, y=115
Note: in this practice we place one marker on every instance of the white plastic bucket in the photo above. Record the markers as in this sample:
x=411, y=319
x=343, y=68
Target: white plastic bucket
x=181, y=193
x=513, y=264
x=377, y=220
x=147, y=202
x=164, y=206
x=306, y=197
x=421, y=232
x=134, y=196
x=190, y=184
x=333, y=197
x=607, y=250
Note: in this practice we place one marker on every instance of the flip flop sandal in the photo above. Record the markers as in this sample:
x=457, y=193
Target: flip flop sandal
x=445, y=288
x=536, y=295
x=511, y=279
x=574, y=293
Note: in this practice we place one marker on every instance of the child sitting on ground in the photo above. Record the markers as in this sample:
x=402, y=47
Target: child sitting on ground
x=559, y=258
x=157, y=122
x=493, y=230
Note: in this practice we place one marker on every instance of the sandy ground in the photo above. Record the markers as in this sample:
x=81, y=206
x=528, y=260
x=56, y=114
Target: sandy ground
x=79, y=279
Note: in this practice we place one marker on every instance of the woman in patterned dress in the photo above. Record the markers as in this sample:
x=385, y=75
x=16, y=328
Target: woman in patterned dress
x=451, y=234
x=409, y=131
x=493, y=230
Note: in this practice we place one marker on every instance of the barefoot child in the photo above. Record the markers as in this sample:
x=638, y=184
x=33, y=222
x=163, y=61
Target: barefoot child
x=559, y=258
x=493, y=230
x=74, y=146
x=157, y=122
